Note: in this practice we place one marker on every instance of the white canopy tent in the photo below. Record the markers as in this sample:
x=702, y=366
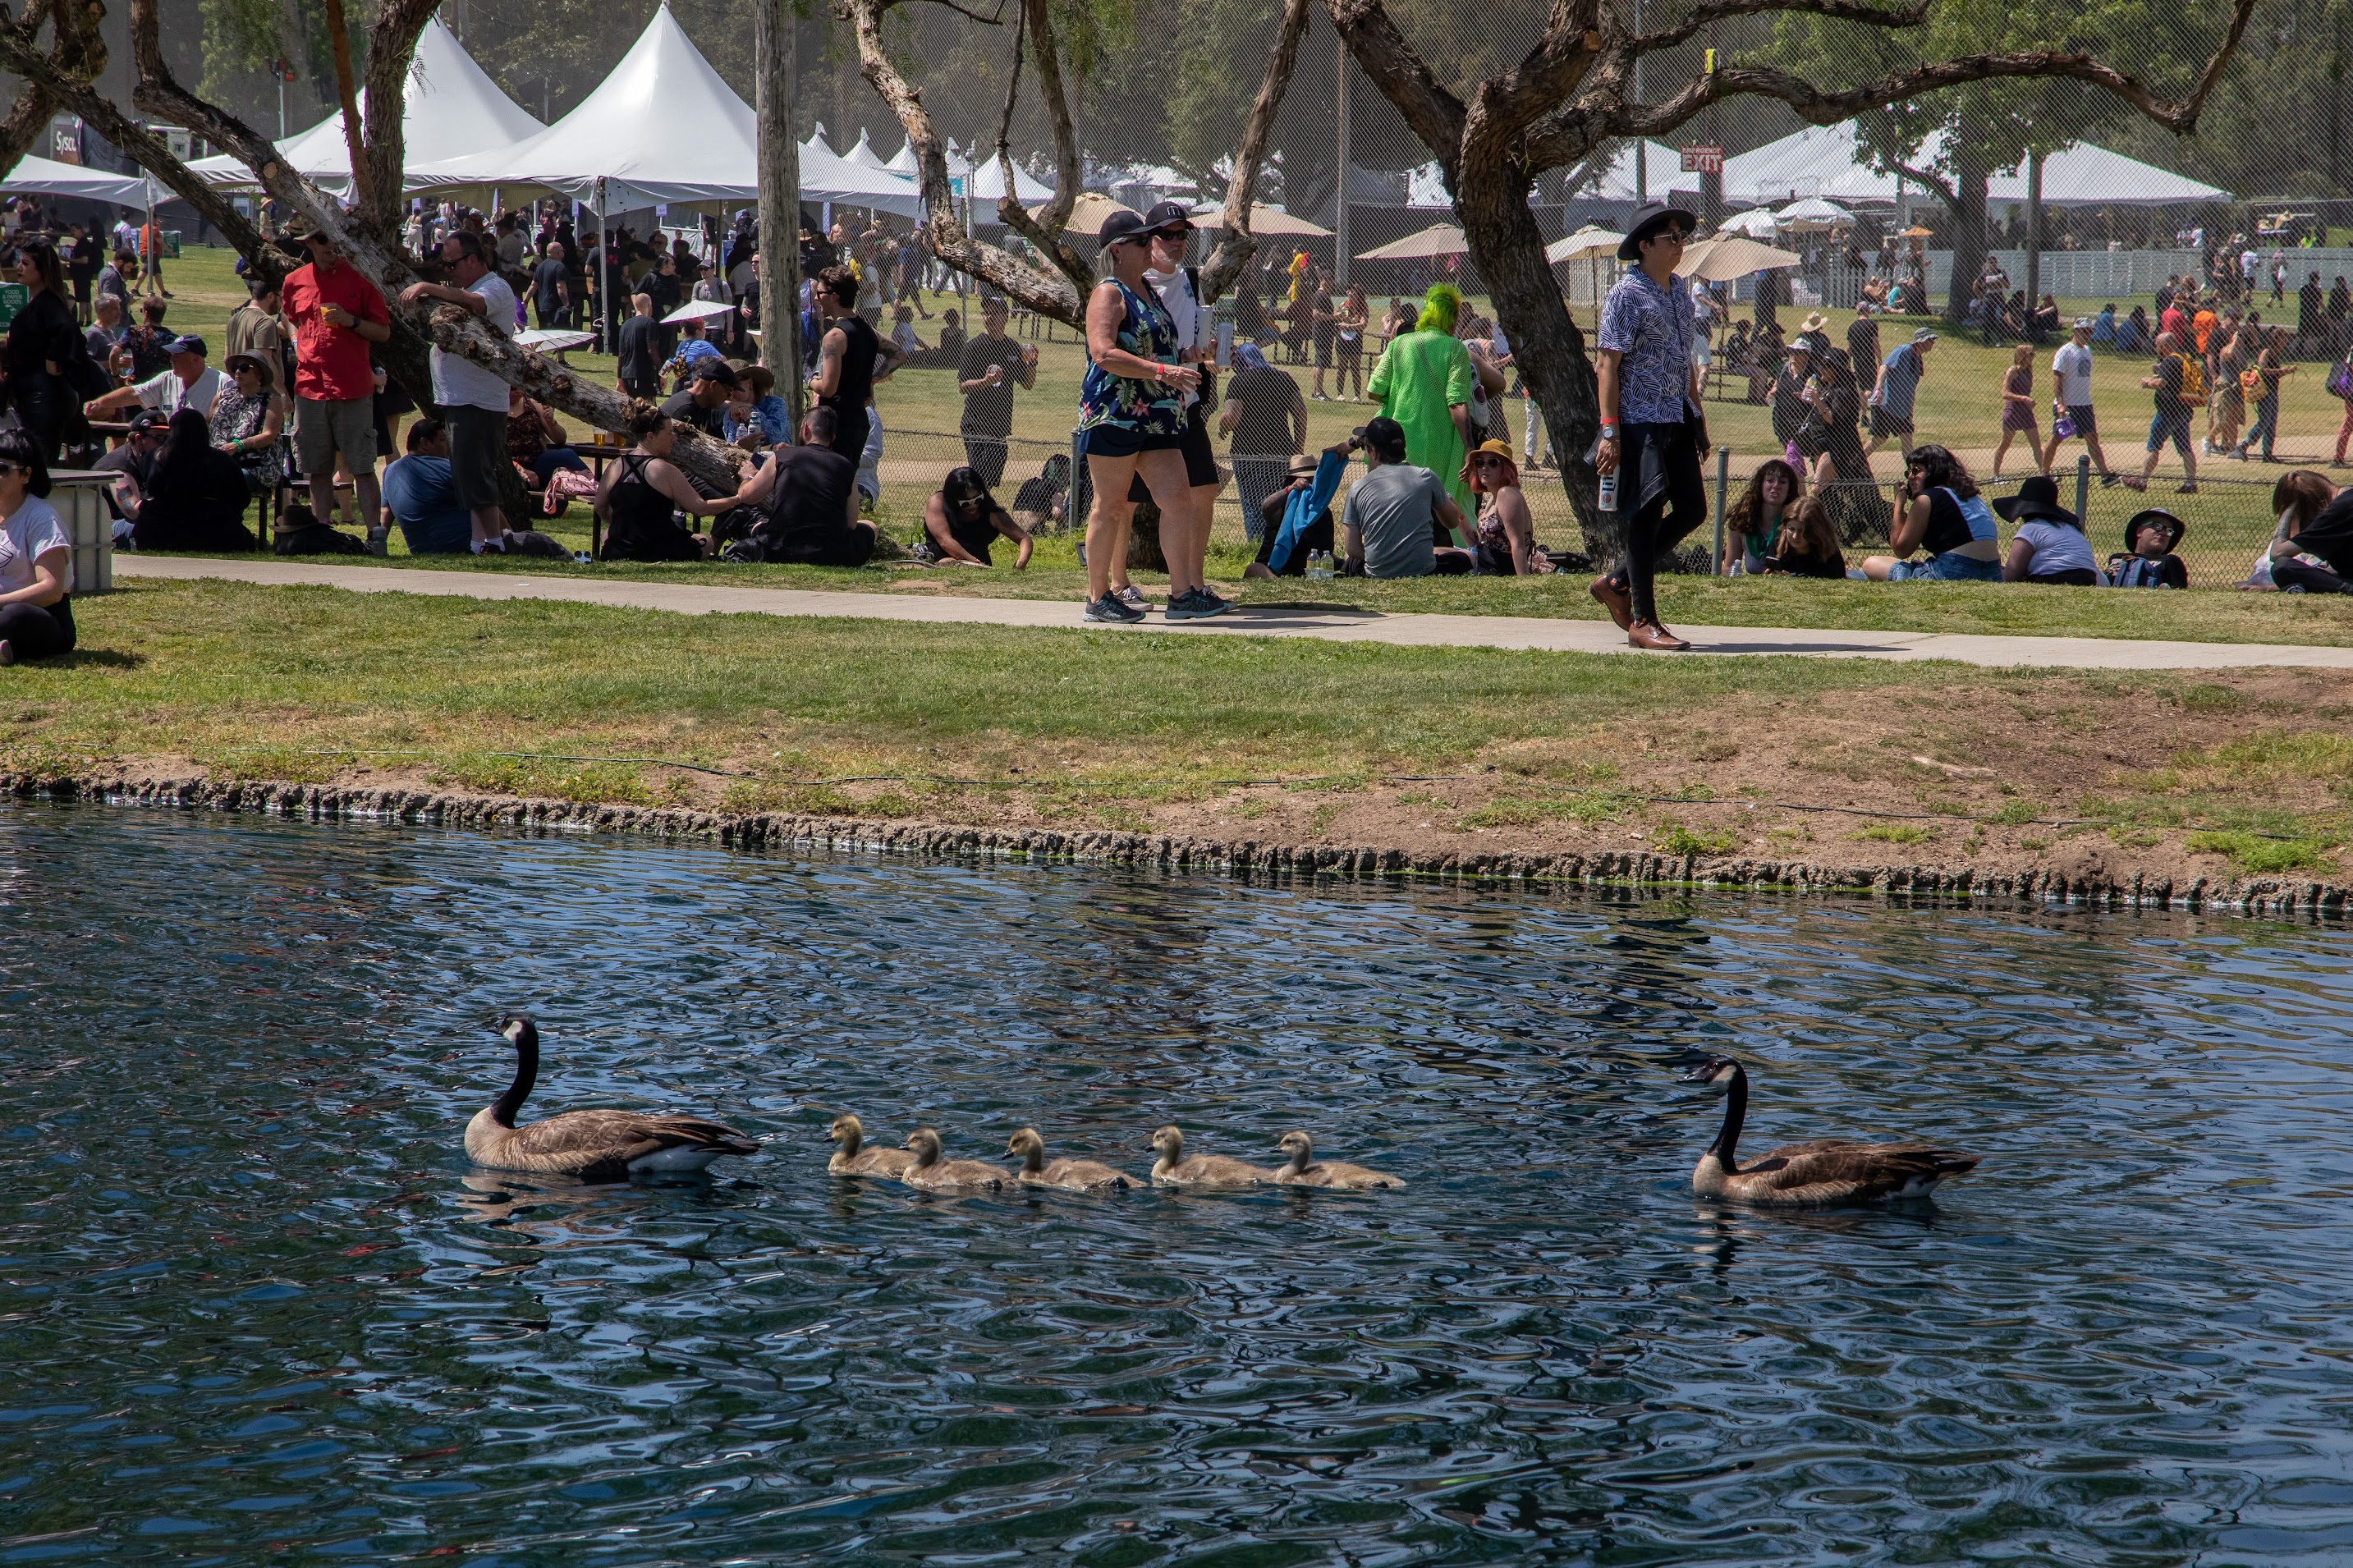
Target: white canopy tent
x=864, y=155
x=449, y=108
x=1826, y=160
x=975, y=175
x=664, y=128
x=1616, y=181
x=903, y=160
x=47, y=177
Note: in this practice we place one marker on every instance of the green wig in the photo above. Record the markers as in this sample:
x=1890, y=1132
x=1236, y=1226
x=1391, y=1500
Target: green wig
x=1440, y=308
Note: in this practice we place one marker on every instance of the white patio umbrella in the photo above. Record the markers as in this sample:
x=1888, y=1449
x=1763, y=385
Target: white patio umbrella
x=698, y=310
x=1756, y=223
x=1438, y=239
x=1814, y=212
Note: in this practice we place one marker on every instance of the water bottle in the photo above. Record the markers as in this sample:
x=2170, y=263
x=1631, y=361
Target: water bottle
x=1607, y=500
x=1319, y=564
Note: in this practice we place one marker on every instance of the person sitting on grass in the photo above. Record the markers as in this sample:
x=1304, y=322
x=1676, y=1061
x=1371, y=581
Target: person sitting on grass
x=420, y=495
x=1504, y=545
x=36, y=558
x=755, y=417
x=1318, y=535
x=811, y=494
x=535, y=441
x=1940, y=510
x=1752, y=529
x=1042, y=503
x=643, y=489
x=2313, y=551
x=2148, y=561
x=133, y=464
x=197, y=499
x=2049, y=546
x=1808, y=544
x=1397, y=513
x=960, y=520
x=710, y=385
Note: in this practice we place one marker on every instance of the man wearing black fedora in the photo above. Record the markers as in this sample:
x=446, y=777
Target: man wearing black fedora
x=1652, y=428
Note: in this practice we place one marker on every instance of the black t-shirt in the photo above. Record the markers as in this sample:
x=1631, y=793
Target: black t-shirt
x=975, y=534
x=680, y=406
x=81, y=260
x=1266, y=401
x=809, y=511
x=2169, y=405
x=545, y=279
x=1038, y=495
x=2330, y=535
x=989, y=411
x=1863, y=348
x=1322, y=327
x=640, y=357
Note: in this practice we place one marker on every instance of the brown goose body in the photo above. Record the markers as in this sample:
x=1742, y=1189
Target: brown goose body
x=1174, y=1169
x=1075, y=1175
x=588, y=1145
x=1301, y=1169
x=854, y=1159
x=928, y=1171
x=1823, y=1173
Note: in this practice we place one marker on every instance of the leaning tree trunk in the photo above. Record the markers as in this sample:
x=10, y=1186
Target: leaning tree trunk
x=1508, y=251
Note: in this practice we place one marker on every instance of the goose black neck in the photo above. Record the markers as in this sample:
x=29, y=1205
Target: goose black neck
x=1736, y=1111
x=504, y=1109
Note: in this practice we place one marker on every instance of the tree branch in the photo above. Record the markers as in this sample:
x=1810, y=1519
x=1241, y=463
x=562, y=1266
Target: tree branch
x=1434, y=114
x=1700, y=16
x=338, y=44
x=392, y=49
x=1941, y=186
x=943, y=231
x=1047, y=229
x=1507, y=103
x=1235, y=243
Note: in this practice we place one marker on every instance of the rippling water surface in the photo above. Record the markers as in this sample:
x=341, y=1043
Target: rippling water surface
x=255, y=1308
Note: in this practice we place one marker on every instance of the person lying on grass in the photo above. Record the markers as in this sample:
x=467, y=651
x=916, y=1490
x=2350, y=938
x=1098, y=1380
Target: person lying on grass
x=2148, y=561
x=962, y=519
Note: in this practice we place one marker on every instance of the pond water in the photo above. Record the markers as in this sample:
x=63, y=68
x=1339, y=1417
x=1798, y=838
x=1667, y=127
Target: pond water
x=254, y=1306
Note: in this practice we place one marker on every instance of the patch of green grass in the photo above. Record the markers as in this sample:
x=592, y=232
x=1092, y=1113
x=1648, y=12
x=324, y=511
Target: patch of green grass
x=1897, y=832
x=1676, y=839
x=2015, y=812
x=281, y=764
x=2264, y=856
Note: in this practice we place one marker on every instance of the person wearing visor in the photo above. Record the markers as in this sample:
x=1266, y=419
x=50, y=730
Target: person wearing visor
x=1651, y=429
x=1130, y=413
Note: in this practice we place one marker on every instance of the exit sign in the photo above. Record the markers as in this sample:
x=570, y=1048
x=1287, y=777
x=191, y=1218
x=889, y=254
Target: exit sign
x=1703, y=160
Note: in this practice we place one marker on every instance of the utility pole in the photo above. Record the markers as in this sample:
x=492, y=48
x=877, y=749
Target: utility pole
x=2033, y=231
x=1642, y=143
x=776, y=56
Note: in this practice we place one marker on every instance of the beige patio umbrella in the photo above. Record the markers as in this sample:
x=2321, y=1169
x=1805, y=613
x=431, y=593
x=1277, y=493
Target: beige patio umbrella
x=1438, y=239
x=1087, y=213
x=1266, y=223
x=1591, y=240
x=1727, y=256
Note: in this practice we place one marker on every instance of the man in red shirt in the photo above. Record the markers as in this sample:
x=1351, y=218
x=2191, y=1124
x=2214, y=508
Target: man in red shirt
x=335, y=314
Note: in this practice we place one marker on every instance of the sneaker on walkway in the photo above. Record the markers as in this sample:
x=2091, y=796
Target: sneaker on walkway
x=1196, y=605
x=1111, y=611
x=1132, y=595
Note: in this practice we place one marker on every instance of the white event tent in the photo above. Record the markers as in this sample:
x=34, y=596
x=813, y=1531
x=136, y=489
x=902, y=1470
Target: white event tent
x=449, y=107
x=664, y=128
x=1615, y=182
x=983, y=181
x=1825, y=161
x=47, y=177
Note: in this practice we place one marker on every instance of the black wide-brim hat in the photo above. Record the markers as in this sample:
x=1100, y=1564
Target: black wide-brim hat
x=1652, y=217
x=2038, y=497
x=2174, y=527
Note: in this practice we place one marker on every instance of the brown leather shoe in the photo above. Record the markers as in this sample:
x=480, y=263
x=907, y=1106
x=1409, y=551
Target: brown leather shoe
x=1616, y=600
x=1655, y=636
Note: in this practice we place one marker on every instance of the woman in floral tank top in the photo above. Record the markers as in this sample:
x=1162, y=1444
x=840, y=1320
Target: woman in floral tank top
x=1130, y=408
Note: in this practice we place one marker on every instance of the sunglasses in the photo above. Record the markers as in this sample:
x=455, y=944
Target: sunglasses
x=8, y=468
x=1490, y=461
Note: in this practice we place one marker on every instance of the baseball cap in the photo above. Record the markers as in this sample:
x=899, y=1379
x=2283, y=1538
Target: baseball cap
x=1384, y=433
x=1168, y=215
x=191, y=344
x=712, y=370
x=1121, y=224
x=148, y=419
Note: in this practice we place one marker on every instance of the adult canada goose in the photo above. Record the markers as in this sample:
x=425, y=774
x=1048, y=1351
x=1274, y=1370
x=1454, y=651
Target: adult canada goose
x=1078, y=1175
x=1298, y=1149
x=853, y=1159
x=928, y=1170
x=588, y=1145
x=1812, y=1175
x=1172, y=1169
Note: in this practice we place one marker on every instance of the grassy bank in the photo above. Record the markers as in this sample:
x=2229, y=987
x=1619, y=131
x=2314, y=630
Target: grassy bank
x=1277, y=740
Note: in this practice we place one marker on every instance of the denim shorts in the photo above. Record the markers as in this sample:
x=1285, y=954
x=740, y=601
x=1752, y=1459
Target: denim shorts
x=1949, y=567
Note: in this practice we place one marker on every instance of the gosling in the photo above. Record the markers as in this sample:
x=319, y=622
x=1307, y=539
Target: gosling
x=1297, y=1151
x=1075, y=1175
x=933, y=1174
x=853, y=1159
x=1172, y=1169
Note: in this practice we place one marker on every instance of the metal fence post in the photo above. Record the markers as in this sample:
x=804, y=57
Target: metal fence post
x=2083, y=489
x=1723, y=479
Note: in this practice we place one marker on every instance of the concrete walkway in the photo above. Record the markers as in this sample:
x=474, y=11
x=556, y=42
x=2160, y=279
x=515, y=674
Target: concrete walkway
x=1329, y=624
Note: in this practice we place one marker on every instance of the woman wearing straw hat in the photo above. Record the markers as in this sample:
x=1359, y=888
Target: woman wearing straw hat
x=1504, y=538
x=2049, y=546
x=247, y=419
x=1132, y=418
x=1651, y=423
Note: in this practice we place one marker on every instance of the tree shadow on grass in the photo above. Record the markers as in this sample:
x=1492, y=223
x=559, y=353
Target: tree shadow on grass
x=96, y=658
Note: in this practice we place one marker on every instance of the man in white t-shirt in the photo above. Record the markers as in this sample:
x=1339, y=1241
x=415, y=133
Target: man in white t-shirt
x=472, y=400
x=189, y=383
x=2071, y=377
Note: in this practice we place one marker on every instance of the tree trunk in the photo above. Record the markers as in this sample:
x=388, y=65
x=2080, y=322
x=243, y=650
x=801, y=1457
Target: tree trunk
x=1968, y=207
x=774, y=47
x=1508, y=250
x=1143, y=551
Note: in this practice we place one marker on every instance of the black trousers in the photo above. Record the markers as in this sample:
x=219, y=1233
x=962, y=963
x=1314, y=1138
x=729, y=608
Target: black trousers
x=35, y=631
x=1656, y=527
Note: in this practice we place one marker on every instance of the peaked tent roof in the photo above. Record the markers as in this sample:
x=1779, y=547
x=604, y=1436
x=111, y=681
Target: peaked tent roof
x=864, y=154
x=450, y=106
x=1825, y=161
x=663, y=127
x=902, y=161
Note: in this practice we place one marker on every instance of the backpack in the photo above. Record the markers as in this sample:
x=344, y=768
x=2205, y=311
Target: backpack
x=315, y=538
x=2193, y=379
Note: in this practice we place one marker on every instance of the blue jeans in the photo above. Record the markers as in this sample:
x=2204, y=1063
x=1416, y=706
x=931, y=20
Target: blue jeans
x=1949, y=567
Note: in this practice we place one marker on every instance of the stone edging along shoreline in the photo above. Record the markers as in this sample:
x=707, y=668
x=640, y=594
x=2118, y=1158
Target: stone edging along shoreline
x=784, y=831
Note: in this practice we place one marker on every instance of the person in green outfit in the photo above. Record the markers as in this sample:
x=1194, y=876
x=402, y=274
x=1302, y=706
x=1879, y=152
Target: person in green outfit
x=1423, y=382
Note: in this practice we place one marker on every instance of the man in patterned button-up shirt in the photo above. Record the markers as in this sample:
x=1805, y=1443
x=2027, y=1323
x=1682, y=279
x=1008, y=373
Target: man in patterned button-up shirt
x=1649, y=395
